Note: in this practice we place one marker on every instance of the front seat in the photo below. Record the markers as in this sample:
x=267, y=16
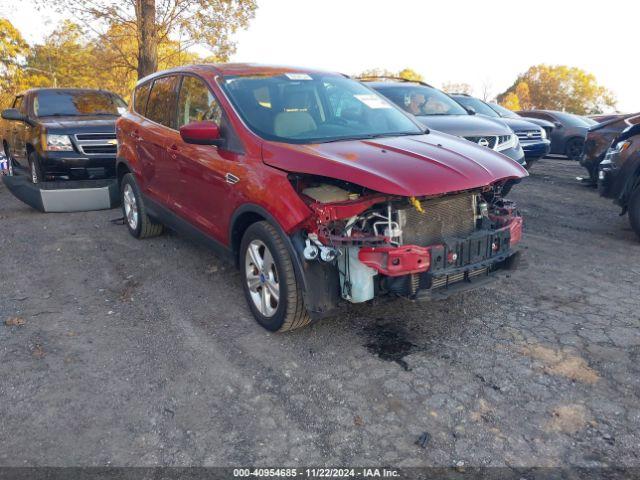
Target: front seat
x=295, y=119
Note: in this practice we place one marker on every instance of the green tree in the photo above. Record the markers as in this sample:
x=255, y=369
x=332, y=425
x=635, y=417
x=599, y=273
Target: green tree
x=405, y=73
x=558, y=87
x=409, y=74
x=148, y=24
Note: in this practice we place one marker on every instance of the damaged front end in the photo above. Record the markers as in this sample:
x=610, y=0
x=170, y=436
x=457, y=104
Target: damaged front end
x=359, y=244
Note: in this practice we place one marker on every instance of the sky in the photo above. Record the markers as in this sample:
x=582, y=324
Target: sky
x=487, y=42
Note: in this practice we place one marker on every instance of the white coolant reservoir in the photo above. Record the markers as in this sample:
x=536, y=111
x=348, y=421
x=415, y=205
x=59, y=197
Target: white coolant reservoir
x=356, y=279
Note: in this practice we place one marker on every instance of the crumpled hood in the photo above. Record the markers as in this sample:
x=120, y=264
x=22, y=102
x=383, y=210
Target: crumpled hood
x=466, y=125
x=419, y=165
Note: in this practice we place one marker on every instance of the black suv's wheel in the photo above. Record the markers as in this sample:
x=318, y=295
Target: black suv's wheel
x=634, y=210
x=574, y=148
x=34, y=168
x=269, y=280
x=135, y=214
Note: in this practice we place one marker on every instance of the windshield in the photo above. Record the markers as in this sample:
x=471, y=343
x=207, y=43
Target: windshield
x=504, y=112
x=314, y=108
x=571, y=120
x=478, y=105
x=49, y=103
x=421, y=100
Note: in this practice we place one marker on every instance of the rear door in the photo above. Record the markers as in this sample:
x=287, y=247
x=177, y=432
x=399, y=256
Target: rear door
x=207, y=173
x=158, y=172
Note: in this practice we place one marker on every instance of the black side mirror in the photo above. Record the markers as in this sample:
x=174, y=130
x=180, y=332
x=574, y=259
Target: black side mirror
x=557, y=124
x=13, y=114
x=471, y=110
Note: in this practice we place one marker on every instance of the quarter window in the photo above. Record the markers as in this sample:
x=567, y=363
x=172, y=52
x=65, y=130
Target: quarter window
x=140, y=98
x=162, y=101
x=196, y=103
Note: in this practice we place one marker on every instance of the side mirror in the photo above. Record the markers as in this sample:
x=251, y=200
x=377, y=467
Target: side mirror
x=557, y=124
x=13, y=114
x=201, y=133
x=471, y=110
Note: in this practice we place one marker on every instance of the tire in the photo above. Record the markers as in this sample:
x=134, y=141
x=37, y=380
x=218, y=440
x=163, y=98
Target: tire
x=574, y=148
x=34, y=168
x=277, y=313
x=135, y=213
x=634, y=211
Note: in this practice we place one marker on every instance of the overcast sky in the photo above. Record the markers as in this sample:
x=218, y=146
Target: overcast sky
x=467, y=41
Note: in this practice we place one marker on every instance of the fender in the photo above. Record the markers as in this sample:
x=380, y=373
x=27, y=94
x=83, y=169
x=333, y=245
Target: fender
x=320, y=281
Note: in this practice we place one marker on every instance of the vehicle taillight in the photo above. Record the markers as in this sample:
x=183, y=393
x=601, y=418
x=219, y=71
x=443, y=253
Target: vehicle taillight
x=515, y=227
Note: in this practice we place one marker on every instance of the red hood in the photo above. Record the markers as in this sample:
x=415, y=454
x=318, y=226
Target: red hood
x=416, y=166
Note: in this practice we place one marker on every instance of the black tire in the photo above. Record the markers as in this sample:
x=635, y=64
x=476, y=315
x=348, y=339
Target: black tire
x=143, y=227
x=34, y=168
x=574, y=148
x=290, y=312
x=634, y=211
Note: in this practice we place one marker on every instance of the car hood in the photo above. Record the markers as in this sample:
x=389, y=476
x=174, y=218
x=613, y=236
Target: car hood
x=538, y=121
x=518, y=125
x=78, y=124
x=465, y=125
x=420, y=165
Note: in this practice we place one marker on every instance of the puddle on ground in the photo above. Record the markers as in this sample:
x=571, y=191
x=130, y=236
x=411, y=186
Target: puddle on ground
x=390, y=342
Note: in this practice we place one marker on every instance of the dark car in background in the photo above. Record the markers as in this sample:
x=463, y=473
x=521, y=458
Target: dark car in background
x=619, y=174
x=62, y=133
x=569, y=133
x=599, y=139
x=437, y=110
x=506, y=113
x=533, y=138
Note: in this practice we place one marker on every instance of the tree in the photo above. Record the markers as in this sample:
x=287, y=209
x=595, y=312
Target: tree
x=558, y=87
x=209, y=23
x=406, y=73
x=409, y=74
x=452, y=87
x=13, y=48
x=511, y=101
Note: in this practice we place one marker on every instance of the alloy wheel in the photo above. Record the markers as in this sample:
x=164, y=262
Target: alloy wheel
x=262, y=278
x=130, y=206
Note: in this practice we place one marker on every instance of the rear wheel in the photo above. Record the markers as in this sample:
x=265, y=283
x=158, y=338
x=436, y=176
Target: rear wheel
x=634, y=211
x=269, y=281
x=34, y=168
x=574, y=148
x=135, y=213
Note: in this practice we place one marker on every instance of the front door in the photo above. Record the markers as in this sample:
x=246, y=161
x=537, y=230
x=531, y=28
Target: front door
x=206, y=173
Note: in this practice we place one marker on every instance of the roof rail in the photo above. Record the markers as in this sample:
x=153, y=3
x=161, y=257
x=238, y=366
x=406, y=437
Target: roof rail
x=369, y=78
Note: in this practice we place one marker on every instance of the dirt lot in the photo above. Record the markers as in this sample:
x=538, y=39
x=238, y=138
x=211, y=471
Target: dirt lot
x=144, y=353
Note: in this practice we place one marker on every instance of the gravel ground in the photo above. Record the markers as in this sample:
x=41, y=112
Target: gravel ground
x=145, y=353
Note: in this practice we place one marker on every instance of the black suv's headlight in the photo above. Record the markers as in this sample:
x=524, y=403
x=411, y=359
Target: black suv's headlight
x=56, y=143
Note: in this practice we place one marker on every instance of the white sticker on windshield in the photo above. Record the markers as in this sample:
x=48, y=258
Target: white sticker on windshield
x=373, y=101
x=298, y=76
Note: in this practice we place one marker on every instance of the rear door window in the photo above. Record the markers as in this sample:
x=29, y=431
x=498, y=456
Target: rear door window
x=161, y=106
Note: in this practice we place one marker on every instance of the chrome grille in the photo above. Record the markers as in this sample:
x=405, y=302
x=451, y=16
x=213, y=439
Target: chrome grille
x=486, y=141
x=450, y=216
x=96, y=143
x=529, y=135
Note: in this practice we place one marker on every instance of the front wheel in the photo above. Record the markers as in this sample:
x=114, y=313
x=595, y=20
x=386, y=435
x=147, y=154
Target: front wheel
x=574, y=148
x=634, y=211
x=34, y=168
x=269, y=280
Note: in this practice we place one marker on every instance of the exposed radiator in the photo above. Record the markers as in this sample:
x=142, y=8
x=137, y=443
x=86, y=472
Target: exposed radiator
x=450, y=216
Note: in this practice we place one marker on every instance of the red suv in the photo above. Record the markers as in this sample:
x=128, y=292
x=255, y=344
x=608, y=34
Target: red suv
x=318, y=188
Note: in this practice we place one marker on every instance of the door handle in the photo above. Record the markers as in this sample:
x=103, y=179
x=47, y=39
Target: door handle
x=135, y=134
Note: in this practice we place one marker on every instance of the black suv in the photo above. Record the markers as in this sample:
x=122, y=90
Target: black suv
x=54, y=133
